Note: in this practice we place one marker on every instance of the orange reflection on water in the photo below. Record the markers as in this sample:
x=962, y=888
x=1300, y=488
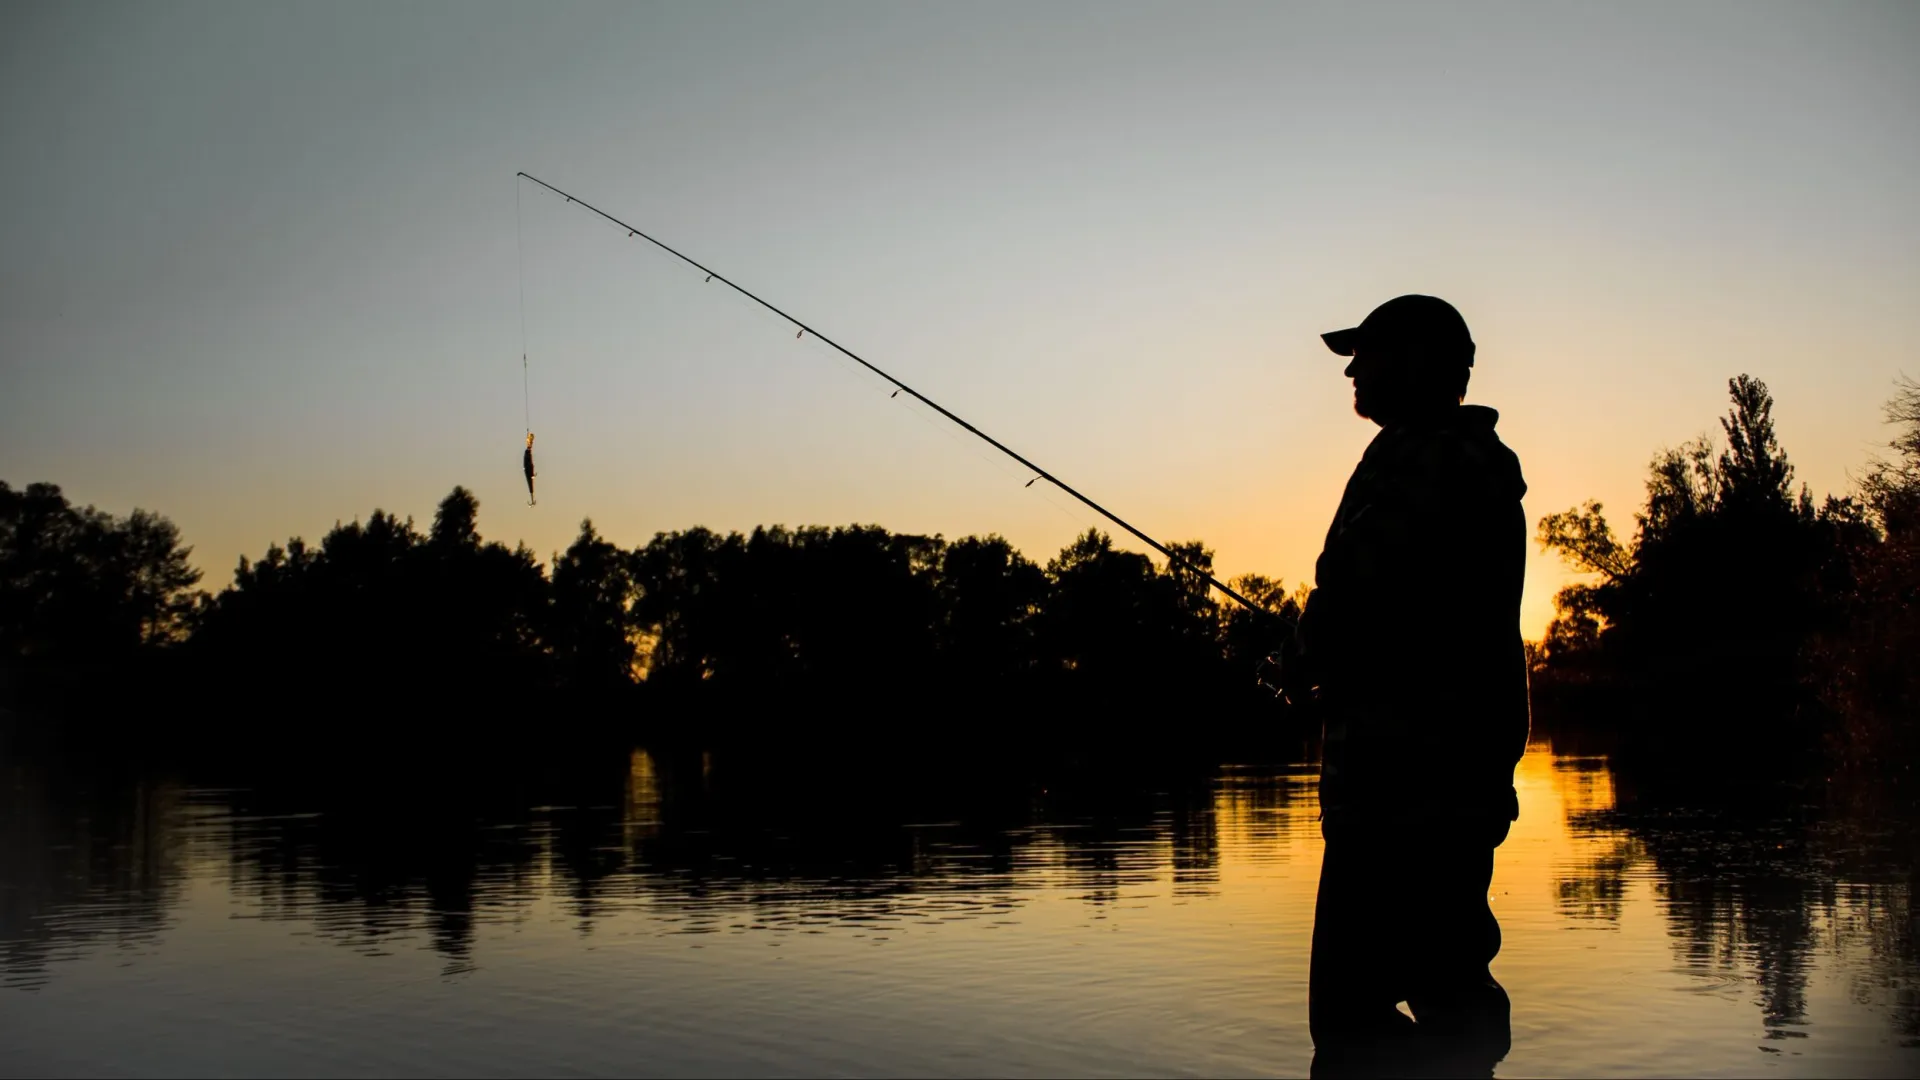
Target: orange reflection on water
x=658, y=907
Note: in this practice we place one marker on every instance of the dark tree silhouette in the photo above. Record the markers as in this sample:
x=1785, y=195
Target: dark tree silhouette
x=1101, y=609
x=1891, y=488
x=1128, y=632
x=382, y=631
x=989, y=600
x=1753, y=473
x=82, y=591
x=592, y=628
x=1248, y=637
x=1700, y=623
x=679, y=605
x=378, y=619
x=1866, y=668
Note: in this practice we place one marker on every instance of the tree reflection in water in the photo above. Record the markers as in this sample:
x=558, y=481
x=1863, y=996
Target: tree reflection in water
x=93, y=858
x=93, y=862
x=1752, y=887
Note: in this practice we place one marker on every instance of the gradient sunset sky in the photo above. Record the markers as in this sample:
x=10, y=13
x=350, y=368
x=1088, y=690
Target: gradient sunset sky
x=259, y=271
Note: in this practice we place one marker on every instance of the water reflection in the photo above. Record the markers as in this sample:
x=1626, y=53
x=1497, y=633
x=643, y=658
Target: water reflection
x=1595, y=885
x=84, y=865
x=1756, y=895
x=1097, y=919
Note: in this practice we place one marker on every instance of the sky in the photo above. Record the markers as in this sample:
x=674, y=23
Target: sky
x=262, y=265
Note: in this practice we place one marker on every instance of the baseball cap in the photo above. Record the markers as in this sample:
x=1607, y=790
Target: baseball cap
x=1428, y=323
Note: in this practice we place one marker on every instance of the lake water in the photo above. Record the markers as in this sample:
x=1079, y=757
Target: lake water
x=664, y=916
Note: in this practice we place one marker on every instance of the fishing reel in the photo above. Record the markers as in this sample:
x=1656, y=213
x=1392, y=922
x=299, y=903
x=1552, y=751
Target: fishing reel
x=1280, y=673
x=1267, y=674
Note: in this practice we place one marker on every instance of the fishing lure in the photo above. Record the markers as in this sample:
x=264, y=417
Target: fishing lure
x=526, y=466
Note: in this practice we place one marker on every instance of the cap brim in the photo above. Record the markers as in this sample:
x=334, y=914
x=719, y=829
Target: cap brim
x=1342, y=342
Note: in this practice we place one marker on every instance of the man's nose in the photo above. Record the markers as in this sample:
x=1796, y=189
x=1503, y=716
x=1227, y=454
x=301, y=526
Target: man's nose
x=1351, y=364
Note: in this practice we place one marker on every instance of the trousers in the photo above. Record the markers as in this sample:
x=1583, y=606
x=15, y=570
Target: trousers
x=1402, y=915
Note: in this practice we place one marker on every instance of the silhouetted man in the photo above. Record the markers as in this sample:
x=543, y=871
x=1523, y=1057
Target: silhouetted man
x=1410, y=647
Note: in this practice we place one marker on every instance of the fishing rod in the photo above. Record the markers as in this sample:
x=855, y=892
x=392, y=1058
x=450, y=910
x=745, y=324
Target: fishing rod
x=1040, y=473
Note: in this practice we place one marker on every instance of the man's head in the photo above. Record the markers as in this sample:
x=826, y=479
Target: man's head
x=1411, y=357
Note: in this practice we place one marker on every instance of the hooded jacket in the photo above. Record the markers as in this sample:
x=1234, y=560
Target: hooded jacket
x=1412, y=633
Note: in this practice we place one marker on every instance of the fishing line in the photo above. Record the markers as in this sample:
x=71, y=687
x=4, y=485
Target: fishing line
x=520, y=242
x=802, y=330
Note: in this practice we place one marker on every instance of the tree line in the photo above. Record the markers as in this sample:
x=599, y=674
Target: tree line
x=1740, y=613
x=846, y=623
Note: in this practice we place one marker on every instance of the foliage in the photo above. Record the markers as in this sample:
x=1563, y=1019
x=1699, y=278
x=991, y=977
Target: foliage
x=591, y=627
x=858, y=616
x=378, y=609
x=1719, y=615
x=1247, y=636
x=378, y=617
x=82, y=590
x=1868, y=674
x=1891, y=487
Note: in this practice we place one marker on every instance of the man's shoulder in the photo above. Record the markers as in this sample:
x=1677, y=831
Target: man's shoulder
x=1463, y=458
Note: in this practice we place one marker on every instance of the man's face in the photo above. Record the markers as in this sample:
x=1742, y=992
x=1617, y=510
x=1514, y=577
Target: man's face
x=1394, y=384
x=1375, y=376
